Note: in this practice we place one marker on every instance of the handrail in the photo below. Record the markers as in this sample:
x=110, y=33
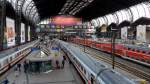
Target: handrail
x=12, y=50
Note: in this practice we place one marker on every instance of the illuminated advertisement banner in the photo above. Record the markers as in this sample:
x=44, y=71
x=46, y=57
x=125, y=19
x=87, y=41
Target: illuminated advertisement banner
x=124, y=33
x=10, y=32
x=22, y=33
x=66, y=20
x=29, y=33
x=141, y=33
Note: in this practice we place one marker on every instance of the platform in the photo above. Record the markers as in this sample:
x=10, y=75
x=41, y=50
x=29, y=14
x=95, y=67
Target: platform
x=67, y=75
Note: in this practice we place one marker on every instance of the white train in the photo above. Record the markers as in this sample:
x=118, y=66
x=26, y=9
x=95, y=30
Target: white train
x=92, y=71
x=7, y=61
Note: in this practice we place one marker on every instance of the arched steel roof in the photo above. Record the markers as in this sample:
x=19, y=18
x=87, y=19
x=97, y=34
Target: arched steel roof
x=124, y=23
x=86, y=9
x=130, y=14
x=27, y=7
x=142, y=21
x=36, y=10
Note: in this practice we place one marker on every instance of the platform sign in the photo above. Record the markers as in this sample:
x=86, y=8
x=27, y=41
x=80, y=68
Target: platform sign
x=124, y=33
x=141, y=33
x=34, y=49
x=10, y=32
x=22, y=32
x=29, y=33
x=55, y=48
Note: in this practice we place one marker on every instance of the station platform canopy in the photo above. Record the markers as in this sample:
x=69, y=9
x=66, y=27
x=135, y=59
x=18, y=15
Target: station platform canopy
x=37, y=56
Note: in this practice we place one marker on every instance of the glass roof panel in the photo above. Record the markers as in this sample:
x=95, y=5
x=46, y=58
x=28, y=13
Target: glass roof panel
x=28, y=6
x=102, y=21
x=129, y=14
x=111, y=19
x=95, y=23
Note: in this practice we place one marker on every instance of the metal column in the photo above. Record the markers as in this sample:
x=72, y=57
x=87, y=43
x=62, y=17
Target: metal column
x=18, y=19
x=3, y=23
x=113, y=48
x=33, y=32
x=18, y=29
x=26, y=32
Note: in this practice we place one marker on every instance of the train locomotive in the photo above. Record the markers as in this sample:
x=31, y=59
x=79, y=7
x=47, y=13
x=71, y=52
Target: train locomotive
x=91, y=70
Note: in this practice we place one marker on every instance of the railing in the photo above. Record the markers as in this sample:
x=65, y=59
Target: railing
x=45, y=49
x=10, y=51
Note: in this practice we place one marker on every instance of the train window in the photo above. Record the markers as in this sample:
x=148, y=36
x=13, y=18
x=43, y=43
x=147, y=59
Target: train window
x=129, y=48
x=132, y=49
x=84, y=71
x=81, y=68
x=148, y=52
x=138, y=51
x=73, y=58
x=78, y=64
x=143, y=51
x=10, y=58
x=6, y=61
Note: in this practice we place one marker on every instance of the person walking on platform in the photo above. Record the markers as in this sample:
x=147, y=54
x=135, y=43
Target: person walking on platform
x=19, y=67
x=16, y=72
x=25, y=65
x=64, y=58
x=57, y=64
x=63, y=63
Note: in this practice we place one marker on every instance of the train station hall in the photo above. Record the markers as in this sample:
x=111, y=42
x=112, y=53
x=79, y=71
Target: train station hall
x=74, y=41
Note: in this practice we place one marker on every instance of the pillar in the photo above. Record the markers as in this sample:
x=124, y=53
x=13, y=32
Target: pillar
x=3, y=23
x=18, y=29
x=26, y=32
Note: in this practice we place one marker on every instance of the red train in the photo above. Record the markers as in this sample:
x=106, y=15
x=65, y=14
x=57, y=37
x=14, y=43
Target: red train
x=131, y=52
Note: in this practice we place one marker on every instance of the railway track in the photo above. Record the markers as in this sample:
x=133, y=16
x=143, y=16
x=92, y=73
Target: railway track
x=122, y=66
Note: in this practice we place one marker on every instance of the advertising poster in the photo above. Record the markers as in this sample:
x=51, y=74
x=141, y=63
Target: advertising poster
x=29, y=33
x=141, y=33
x=124, y=33
x=22, y=33
x=9, y=37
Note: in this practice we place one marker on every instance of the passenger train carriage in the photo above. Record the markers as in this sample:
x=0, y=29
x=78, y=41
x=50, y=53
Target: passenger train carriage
x=92, y=71
x=6, y=62
x=135, y=53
